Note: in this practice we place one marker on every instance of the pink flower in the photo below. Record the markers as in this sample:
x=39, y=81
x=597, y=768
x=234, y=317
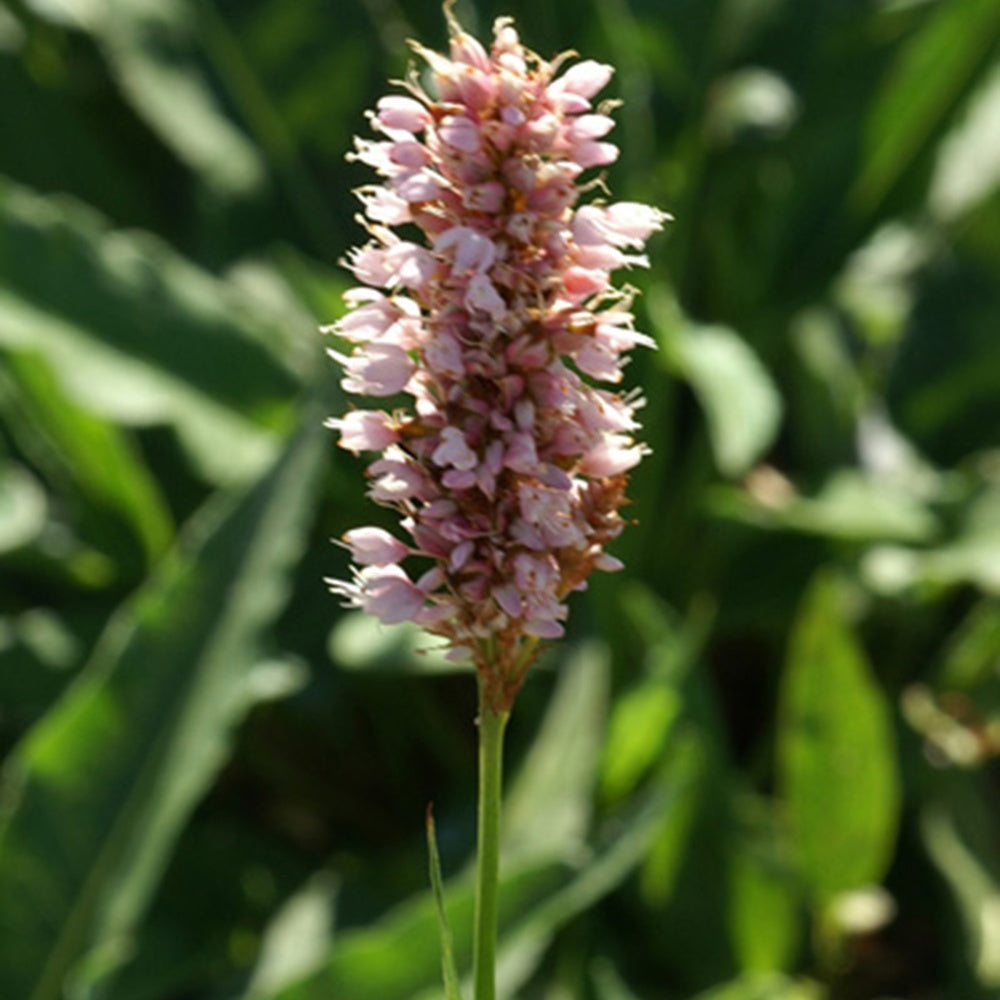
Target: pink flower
x=507, y=464
x=374, y=547
x=364, y=430
x=383, y=591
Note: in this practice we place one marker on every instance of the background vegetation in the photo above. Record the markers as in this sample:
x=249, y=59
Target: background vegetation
x=764, y=765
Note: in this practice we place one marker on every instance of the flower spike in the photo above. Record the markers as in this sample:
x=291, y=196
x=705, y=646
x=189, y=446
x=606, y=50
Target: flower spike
x=504, y=455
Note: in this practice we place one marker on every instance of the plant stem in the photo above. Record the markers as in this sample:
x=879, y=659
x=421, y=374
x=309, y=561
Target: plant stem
x=491, y=729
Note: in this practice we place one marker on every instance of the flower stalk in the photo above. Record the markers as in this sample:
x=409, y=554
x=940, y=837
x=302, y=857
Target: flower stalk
x=492, y=724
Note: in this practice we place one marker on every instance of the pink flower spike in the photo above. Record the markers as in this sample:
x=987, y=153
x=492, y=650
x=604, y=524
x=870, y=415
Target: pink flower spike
x=487, y=310
x=374, y=547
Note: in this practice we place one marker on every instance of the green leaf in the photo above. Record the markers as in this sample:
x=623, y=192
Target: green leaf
x=851, y=506
x=973, y=652
x=549, y=805
x=297, y=937
x=22, y=507
x=931, y=76
x=765, y=921
x=357, y=968
x=99, y=790
x=968, y=167
x=538, y=895
x=103, y=468
x=151, y=49
x=770, y=987
x=360, y=642
x=741, y=402
x=448, y=969
x=641, y=725
x=616, y=858
x=836, y=752
x=971, y=558
x=135, y=333
x=959, y=831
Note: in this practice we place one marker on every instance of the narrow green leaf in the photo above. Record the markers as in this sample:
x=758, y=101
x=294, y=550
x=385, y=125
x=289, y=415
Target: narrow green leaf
x=959, y=831
x=99, y=790
x=741, y=402
x=522, y=949
x=448, y=970
x=968, y=167
x=94, y=456
x=548, y=806
x=836, y=752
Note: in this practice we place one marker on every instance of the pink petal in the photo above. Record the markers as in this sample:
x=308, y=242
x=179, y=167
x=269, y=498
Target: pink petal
x=388, y=594
x=460, y=133
x=483, y=296
x=401, y=112
x=585, y=79
x=364, y=430
x=374, y=547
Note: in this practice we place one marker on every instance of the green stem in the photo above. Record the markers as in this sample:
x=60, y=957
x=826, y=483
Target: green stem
x=491, y=729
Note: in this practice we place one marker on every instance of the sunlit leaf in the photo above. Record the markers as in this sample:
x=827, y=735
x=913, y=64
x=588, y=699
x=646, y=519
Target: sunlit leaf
x=297, y=937
x=22, y=507
x=101, y=465
x=836, y=752
x=360, y=642
x=549, y=805
x=931, y=75
x=959, y=832
x=765, y=922
x=968, y=166
x=741, y=403
x=137, y=334
x=851, y=506
x=357, y=966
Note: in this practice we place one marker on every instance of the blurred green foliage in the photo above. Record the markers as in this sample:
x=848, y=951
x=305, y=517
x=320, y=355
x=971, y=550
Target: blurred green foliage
x=764, y=765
